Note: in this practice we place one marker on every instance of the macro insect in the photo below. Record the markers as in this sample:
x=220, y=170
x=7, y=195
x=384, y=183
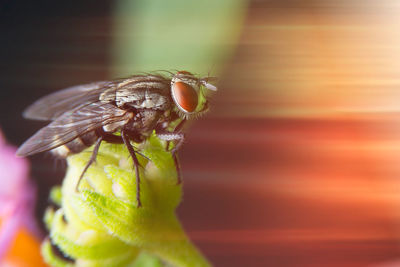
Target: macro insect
x=86, y=115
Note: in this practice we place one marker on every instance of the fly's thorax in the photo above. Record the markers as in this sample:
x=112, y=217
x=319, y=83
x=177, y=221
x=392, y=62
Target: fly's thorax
x=144, y=121
x=140, y=92
x=142, y=99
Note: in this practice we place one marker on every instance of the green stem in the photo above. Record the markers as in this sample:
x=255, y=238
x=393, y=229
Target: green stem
x=177, y=250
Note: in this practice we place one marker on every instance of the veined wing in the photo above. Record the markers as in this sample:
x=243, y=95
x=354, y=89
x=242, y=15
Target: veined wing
x=71, y=125
x=54, y=105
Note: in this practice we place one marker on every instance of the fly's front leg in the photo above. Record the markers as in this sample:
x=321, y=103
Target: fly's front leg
x=125, y=139
x=174, y=153
x=179, y=138
x=168, y=135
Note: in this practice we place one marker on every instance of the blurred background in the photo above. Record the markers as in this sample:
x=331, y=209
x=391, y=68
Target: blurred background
x=297, y=164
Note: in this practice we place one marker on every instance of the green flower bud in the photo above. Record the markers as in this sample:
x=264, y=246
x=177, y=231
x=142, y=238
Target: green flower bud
x=101, y=225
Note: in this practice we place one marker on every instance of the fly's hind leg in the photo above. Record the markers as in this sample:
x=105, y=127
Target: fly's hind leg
x=91, y=160
x=132, y=152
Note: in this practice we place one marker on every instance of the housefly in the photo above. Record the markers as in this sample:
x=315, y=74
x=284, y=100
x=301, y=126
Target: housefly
x=86, y=115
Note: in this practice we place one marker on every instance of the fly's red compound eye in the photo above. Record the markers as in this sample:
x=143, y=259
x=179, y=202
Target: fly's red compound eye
x=185, y=96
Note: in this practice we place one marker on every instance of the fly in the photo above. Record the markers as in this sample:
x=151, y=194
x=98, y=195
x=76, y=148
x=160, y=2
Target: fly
x=86, y=115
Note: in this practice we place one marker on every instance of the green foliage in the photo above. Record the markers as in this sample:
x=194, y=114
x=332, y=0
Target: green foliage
x=197, y=36
x=101, y=224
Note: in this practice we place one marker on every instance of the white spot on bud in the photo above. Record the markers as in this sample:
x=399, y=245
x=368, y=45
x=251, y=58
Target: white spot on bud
x=118, y=191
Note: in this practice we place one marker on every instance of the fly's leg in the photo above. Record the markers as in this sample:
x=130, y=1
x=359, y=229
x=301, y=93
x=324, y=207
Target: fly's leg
x=178, y=169
x=91, y=160
x=125, y=139
x=179, y=127
x=175, y=157
x=115, y=139
x=174, y=153
x=180, y=138
x=177, y=130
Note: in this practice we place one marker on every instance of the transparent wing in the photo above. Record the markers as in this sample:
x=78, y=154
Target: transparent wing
x=54, y=105
x=71, y=125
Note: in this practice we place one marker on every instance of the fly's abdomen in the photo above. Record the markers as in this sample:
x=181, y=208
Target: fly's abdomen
x=77, y=145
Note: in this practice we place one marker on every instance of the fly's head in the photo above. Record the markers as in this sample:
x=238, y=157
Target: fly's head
x=191, y=94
